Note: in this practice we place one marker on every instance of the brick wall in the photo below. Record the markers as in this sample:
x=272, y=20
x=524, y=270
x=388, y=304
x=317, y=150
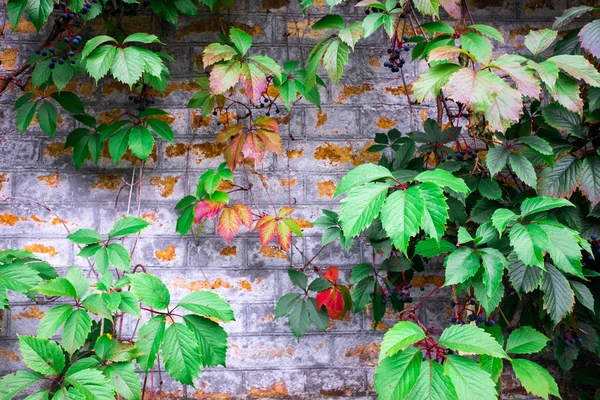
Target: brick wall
x=264, y=359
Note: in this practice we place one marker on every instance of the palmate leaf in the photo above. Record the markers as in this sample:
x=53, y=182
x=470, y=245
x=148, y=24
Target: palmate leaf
x=360, y=175
x=402, y=215
x=432, y=384
x=15, y=9
x=149, y=341
x=141, y=142
x=254, y=81
x=208, y=304
x=211, y=337
x=496, y=159
x=150, y=290
x=13, y=384
x=493, y=262
x=558, y=295
x=428, y=86
x=590, y=179
x=589, y=36
x=53, y=319
x=461, y=265
x=535, y=379
x=361, y=206
x=435, y=212
x=469, y=339
x=561, y=180
x=39, y=11
x=396, y=376
x=76, y=330
x=224, y=76
x=299, y=319
x=525, y=340
x=42, y=355
x=335, y=59
x=564, y=249
x=125, y=381
x=529, y=242
x=524, y=279
x=181, y=353
x=469, y=380
x=91, y=384
x=399, y=337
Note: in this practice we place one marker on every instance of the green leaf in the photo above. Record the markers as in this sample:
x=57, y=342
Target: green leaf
x=437, y=27
x=569, y=15
x=76, y=330
x=335, y=59
x=62, y=74
x=149, y=341
x=127, y=226
x=351, y=34
x=118, y=256
x=361, y=206
x=523, y=168
x=428, y=86
x=141, y=142
x=57, y=287
x=96, y=304
x=101, y=259
x=330, y=21
x=496, y=159
x=41, y=74
x=25, y=115
x=15, y=9
x=299, y=319
x=432, y=384
x=79, y=281
x=433, y=248
x=564, y=249
x=427, y=7
x=47, y=117
x=100, y=61
x=360, y=175
x=537, y=144
x=435, y=212
x=161, y=128
x=562, y=119
x=211, y=337
x=444, y=179
x=241, y=40
x=209, y=304
x=85, y=236
x=525, y=340
x=558, y=296
x=142, y=38
x=461, y=265
x=589, y=36
x=396, y=376
x=360, y=271
x=401, y=216
x=492, y=366
x=362, y=293
x=93, y=43
x=469, y=380
x=42, y=355
x=488, y=31
x=493, y=263
x=285, y=304
x=490, y=189
x=469, y=339
x=541, y=204
x=479, y=46
x=39, y=11
x=402, y=335
x=125, y=381
x=529, y=242
x=129, y=304
x=538, y=41
x=318, y=285
x=583, y=295
x=561, y=180
x=535, y=379
x=590, y=179
x=53, y=319
x=524, y=279
x=298, y=278
x=318, y=317
x=181, y=353
x=578, y=67
x=13, y=384
x=128, y=65
x=117, y=144
x=91, y=384
x=150, y=290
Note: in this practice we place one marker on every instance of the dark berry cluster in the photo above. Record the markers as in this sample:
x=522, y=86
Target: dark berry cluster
x=463, y=154
x=87, y=6
x=143, y=99
x=400, y=293
x=569, y=338
x=472, y=312
x=592, y=260
x=369, y=10
x=395, y=62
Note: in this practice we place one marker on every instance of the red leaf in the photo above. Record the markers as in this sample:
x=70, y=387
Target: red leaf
x=224, y=76
x=333, y=301
x=267, y=123
x=244, y=213
x=254, y=81
x=285, y=235
x=215, y=52
x=254, y=148
x=208, y=209
x=266, y=226
x=272, y=140
x=228, y=132
x=229, y=224
x=332, y=274
x=233, y=151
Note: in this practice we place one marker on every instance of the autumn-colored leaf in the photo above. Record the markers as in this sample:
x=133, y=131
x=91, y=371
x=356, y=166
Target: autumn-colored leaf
x=332, y=274
x=208, y=209
x=285, y=211
x=284, y=234
x=245, y=214
x=224, y=76
x=254, y=81
x=229, y=224
x=254, y=148
x=229, y=131
x=216, y=52
x=333, y=301
x=233, y=151
x=271, y=140
x=266, y=226
x=267, y=123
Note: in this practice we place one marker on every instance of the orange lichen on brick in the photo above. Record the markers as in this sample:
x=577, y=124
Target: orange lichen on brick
x=287, y=182
x=109, y=116
x=165, y=185
x=520, y=31
x=108, y=182
x=8, y=59
x=258, y=352
x=386, y=123
x=213, y=25
x=353, y=90
x=374, y=61
x=41, y=249
x=23, y=26
x=203, y=395
x=276, y=390
x=321, y=119
x=424, y=115
x=339, y=155
x=196, y=286
x=3, y=179
x=366, y=353
x=166, y=255
x=10, y=219
x=225, y=186
x=228, y=251
x=52, y=180
x=422, y=280
x=304, y=28
x=245, y=285
x=269, y=318
x=198, y=121
x=273, y=251
x=326, y=188
x=57, y=149
x=34, y=218
x=273, y=4
x=176, y=150
x=284, y=120
x=31, y=312
x=303, y=224
x=295, y=153
x=56, y=221
x=200, y=150
x=9, y=354
x=176, y=86
x=381, y=326
x=398, y=90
